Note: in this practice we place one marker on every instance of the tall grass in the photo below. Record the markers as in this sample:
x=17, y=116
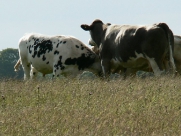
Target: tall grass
x=134, y=106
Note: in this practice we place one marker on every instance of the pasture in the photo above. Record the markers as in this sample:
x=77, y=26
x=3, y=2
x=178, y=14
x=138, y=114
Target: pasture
x=135, y=106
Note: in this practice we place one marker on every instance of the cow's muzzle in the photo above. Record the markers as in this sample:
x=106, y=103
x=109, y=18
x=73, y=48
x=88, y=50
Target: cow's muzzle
x=92, y=43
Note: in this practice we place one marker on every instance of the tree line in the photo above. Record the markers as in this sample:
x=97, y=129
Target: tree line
x=8, y=58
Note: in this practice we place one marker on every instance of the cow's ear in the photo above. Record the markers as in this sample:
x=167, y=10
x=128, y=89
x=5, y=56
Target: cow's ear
x=108, y=24
x=85, y=27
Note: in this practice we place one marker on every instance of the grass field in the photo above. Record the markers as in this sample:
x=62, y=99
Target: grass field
x=73, y=107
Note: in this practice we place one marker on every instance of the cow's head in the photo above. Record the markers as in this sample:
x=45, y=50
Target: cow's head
x=96, y=30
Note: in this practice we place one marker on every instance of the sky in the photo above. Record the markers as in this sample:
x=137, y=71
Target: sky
x=64, y=17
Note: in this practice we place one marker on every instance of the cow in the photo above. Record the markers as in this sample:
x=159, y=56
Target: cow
x=132, y=46
x=55, y=54
x=147, y=68
x=177, y=52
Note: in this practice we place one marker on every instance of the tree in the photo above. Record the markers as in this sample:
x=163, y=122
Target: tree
x=8, y=59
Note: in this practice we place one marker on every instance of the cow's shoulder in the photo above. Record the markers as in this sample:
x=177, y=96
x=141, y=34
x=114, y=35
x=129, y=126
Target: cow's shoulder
x=122, y=30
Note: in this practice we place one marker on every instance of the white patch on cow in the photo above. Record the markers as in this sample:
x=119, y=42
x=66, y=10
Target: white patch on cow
x=112, y=30
x=154, y=66
x=137, y=56
x=117, y=30
x=115, y=62
x=118, y=59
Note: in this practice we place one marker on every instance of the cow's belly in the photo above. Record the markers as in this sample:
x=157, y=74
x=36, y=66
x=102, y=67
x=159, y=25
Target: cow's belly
x=42, y=66
x=44, y=70
x=138, y=63
x=131, y=66
x=71, y=70
x=133, y=62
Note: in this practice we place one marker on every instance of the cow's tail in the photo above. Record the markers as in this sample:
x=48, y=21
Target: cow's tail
x=16, y=66
x=170, y=38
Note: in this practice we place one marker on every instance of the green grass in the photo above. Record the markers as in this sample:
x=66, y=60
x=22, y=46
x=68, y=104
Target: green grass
x=134, y=106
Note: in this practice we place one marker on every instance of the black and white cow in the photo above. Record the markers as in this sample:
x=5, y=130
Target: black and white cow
x=147, y=68
x=132, y=46
x=177, y=53
x=55, y=54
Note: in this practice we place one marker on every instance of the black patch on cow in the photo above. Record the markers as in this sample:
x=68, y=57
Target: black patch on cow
x=56, y=52
x=89, y=52
x=57, y=45
x=36, y=41
x=82, y=61
x=64, y=42
x=59, y=64
x=44, y=58
x=82, y=47
x=42, y=48
x=70, y=61
x=76, y=46
x=30, y=49
x=47, y=62
x=29, y=40
x=60, y=42
x=62, y=67
x=35, y=52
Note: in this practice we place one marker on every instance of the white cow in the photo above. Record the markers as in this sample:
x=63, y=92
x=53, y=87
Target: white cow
x=55, y=54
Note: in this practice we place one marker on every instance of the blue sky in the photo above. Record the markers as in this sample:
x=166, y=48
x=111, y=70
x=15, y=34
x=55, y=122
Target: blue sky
x=64, y=17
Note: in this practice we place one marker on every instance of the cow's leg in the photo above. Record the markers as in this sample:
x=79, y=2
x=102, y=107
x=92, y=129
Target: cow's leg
x=33, y=73
x=157, y=66
x=124, y=72
x=43, y=75
x=105, y=63
x=56, y=73
x=166, y=65
x=26, y=67
x=57, y=68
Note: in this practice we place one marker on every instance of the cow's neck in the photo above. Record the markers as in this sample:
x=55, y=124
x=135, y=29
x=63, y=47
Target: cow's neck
x=102, y=34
